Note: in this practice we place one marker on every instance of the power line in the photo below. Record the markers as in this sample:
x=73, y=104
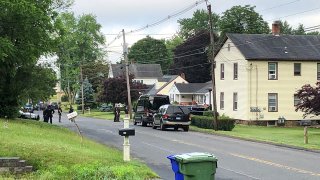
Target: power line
x=280, y=5
x=295, y=14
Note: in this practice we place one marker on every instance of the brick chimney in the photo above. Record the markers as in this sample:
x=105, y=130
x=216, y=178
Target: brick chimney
x=276, y=28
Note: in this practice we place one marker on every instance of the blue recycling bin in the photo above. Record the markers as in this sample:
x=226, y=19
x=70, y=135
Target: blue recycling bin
x=175, y=168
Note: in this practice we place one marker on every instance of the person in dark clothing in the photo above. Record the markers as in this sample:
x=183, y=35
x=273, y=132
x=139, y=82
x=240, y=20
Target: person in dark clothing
x=46, y=114
x=59, y=113
x=116, y=114
x=71, y=109
x=50, y=113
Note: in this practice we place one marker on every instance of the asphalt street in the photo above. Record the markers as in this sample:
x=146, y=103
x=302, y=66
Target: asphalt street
x=237, y=159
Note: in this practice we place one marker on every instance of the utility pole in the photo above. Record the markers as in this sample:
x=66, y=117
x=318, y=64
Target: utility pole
x=125, y=54
x=82, y=98
x=213, y=66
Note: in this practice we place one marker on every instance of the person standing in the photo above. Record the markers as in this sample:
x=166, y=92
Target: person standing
x=59, y=113
x=116, y=114
x=71, y=109
x=46, y=114
x=50, y=113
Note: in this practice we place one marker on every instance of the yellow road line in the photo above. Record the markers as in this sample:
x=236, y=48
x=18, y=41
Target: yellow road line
x=275, y=164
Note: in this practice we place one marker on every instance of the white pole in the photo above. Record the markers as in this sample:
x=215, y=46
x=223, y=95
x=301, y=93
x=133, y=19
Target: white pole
x=126, y=144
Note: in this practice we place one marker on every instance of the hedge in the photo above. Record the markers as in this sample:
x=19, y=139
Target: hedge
x=224, y=123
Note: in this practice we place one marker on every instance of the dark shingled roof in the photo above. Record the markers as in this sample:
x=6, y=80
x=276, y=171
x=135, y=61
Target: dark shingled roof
x=282, y=47
x=138, y=70
x=190, y=88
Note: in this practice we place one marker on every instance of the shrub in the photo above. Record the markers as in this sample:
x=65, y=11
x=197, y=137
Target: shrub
x=224, y=123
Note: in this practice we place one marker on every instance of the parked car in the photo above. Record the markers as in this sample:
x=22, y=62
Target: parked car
x=105, y=108
x=172, y=116
x=146, y=106
x=28, y=115
x=54, y=105
x=28, y=108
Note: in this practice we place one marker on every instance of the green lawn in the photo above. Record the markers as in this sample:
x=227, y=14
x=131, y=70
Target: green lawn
x=58, y=153
x=101, y=115
x=280, y=135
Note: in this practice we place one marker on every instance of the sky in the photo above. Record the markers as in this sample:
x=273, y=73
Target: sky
x=115, y=15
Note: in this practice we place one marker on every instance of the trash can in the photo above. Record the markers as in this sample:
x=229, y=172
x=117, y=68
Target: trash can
x=196, y=166
x=175, y=168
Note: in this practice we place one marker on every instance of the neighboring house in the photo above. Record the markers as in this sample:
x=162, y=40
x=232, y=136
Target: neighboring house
x=257, y=75
x=165, y=83
x=191, y=93
x=145, y=73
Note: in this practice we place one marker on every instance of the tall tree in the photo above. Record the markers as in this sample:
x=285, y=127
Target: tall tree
x=115, y=90
x=171, y=44
x=285, y=28
x=88, y=93
x=299, y=30
x=199, y=22
x=150, y=51
x=96, y=72
x=26, y=33
x=79, y=43
x=309, y=100
x=242, y=19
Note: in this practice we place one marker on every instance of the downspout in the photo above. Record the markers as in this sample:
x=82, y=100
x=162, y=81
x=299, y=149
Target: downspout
x=257, y=83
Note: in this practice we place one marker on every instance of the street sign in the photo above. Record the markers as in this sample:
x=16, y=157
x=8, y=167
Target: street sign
x=72, y=115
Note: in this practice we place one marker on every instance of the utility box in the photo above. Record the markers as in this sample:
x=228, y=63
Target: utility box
x=305, y=123
x=127, y=132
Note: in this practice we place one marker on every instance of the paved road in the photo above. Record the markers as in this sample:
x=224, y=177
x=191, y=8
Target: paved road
x=237, y=159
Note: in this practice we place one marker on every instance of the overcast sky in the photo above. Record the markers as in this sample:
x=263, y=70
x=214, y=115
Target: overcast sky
x=115, y=15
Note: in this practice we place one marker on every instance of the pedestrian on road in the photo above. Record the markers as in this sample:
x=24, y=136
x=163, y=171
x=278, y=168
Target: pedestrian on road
x=46, y=114
x=50, y=113
x=71, y=109
x=116, y=114
x=59, y=113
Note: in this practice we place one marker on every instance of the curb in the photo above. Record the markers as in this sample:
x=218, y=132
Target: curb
x=264, y=142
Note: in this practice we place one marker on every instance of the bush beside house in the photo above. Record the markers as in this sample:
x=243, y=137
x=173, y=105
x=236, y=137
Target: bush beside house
x=224, y=123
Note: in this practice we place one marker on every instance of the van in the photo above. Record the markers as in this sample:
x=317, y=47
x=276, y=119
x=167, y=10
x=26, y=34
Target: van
x=146, y=106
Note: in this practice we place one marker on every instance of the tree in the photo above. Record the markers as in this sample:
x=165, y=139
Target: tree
x=79, y=44
x=115, y=90
x=88, y=93
x=309, y=100
x=191, y=59
x=150, y=51
x=171, y=44
x=242, y=19
x=26, y=33
x=299, y=30
x=96, y=72
x=198, y=23
x=285, y=28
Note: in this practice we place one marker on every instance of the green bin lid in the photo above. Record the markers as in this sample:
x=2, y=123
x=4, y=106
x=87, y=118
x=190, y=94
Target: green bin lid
x=195, y=157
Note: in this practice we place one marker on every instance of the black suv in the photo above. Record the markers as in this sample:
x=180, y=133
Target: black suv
x=146, y=106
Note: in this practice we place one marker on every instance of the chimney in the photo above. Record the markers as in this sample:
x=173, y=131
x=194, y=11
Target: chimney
x=276, y=28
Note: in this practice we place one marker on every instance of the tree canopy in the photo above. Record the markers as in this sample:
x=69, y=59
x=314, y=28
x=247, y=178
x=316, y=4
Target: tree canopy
x=309, y=100
x=242, y=19
x=199, y=22
x=26, y=33
x=150, y=51
x=115, y=90
x=78, y=44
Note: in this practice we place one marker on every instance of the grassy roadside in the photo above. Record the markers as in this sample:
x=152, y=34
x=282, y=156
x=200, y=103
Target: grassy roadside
x=278, y=135
x=101, y=115
x=57, y=153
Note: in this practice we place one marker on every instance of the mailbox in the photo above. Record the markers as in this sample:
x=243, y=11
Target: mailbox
x=127, y=132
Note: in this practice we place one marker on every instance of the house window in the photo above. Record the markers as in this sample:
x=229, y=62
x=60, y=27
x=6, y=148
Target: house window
x=222, y=71
x=235, y=71
x=297, y=69
x=318, y=71
x=221, y=100
x=235, y=101
x=272, y=102
x=272, y=71
x=296, y=100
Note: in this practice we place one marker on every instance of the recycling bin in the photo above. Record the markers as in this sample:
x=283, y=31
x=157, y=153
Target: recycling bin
x=197, y=166
x=175, y=168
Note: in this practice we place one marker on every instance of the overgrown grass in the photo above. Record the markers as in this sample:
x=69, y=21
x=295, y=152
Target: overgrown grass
x=279, y=135
x=58, y=153
x=101, y=115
